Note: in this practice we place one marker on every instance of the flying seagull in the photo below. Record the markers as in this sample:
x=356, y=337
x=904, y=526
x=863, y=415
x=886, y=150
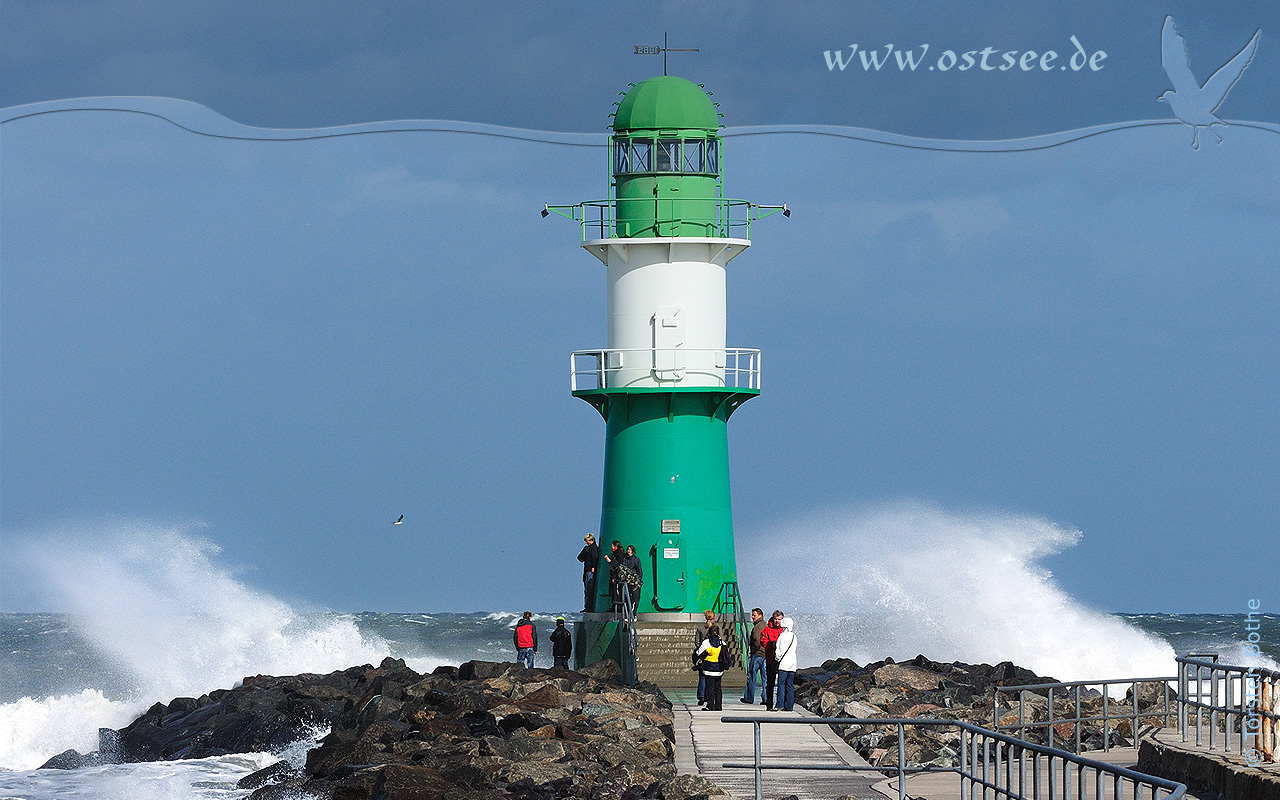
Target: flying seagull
x=1192, y=103
x=399, y=521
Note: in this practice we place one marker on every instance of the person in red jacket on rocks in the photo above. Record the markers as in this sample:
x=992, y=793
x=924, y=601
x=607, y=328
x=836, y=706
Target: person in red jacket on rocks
x=769, y=638
x=526, y=640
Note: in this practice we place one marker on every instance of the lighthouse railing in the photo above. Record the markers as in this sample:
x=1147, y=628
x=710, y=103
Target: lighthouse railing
x=1227, y=699
x=728, y=368
x=664, y=217
x=993, y=766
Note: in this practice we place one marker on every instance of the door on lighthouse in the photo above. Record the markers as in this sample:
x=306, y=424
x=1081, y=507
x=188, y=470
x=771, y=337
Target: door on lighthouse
x=669, y=578
x=668, y=344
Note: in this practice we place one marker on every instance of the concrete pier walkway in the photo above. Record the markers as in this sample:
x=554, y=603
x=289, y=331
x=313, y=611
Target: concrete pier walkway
x=704, y=744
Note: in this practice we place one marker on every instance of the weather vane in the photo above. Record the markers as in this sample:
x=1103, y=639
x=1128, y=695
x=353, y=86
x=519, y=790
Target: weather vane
x=653, y=50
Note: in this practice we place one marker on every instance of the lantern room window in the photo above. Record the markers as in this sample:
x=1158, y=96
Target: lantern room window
x=640, y=155
x=695, y=156
x=691, y=160
x=668, y=155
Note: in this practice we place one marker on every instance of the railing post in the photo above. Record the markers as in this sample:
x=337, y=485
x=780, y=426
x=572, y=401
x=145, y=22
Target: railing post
x=964, y=763
x=1199, y=701
x=1078, y=688
x=1022, y=721
x=1182, y=699
x=1053, y=779
x=1228, y=703
x=1134, y=727
x=1022, y=772
x=1050, y=718
x=1106, y=722
x=986, y=759
x=1213, y=706
x=1035, y=774
x=756, y=725
x=902, y=762
x=998, y=767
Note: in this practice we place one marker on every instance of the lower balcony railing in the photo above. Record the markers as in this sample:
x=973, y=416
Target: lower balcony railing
x=729, y=368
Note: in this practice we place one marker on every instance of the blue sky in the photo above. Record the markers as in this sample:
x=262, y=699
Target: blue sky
x=287, y=344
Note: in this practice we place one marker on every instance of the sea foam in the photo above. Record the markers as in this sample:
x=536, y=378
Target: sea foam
x=154, y=602
x=911, y=579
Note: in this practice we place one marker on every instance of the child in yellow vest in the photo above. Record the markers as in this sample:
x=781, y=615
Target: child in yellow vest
x=712, y=670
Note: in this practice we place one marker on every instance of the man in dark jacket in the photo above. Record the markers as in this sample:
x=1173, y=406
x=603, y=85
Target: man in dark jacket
x=561, y=644
x=590, y=558
x=526, y=640
x=614, y=558
x=755, y=660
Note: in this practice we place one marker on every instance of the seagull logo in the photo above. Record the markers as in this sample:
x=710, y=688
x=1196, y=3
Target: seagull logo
x=1192, y=103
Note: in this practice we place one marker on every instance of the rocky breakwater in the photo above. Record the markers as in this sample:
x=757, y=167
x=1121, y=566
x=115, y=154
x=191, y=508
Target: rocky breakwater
x=481, y=730
x=955, y=691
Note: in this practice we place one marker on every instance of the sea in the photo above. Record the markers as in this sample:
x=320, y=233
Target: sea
x=62, y=677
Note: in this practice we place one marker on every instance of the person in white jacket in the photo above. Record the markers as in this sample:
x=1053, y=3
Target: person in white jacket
x=786, y=649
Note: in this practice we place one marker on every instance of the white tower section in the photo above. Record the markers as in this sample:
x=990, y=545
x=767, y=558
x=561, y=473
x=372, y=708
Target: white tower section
x=666, y=312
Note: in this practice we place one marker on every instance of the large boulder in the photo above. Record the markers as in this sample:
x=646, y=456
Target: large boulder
x=894, y=675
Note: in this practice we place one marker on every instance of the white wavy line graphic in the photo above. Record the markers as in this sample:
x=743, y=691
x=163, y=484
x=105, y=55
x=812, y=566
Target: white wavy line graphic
x=204, y=121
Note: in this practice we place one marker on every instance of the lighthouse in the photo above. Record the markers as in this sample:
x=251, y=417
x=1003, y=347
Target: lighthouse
x=665, y=383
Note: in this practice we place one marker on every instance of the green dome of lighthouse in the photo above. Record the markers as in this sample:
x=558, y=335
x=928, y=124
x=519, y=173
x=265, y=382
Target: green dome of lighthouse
x=664, y=103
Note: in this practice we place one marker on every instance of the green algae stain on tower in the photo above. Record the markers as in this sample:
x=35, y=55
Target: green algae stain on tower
x=666, y=384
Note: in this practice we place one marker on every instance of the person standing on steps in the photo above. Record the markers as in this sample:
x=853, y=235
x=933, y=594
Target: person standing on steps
x=634, y=577
x=590, y=558
x=699, y=636
x=785, y=648
x=710, y=667
x=755, y=660
x=769, y=639
x=561, y=644
x=526, y=639
x=614, y=560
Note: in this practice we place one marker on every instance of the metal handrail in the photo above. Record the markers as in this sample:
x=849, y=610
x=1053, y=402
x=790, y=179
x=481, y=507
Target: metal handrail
x=1022, y=726
x=630, y=643
x=731, y=216
x=994, y=752
x=733, y=375
x=1253, y=715
x=728, y=603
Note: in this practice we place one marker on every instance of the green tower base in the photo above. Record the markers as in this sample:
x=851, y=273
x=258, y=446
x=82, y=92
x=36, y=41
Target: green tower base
x=666, y=492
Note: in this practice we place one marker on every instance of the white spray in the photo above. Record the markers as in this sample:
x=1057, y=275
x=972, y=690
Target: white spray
x=152, y=600
x=909, y=578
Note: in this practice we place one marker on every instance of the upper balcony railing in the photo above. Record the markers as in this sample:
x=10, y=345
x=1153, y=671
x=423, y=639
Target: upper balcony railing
x=716, y=217
x=729, y=368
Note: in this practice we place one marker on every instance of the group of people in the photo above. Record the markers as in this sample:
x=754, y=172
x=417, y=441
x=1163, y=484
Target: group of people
x=526, y=642
x=771, y=664
x=626, y=573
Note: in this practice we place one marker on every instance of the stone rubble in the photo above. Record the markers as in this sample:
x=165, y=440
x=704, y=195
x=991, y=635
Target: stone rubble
x=478, y=731
x=956, y=691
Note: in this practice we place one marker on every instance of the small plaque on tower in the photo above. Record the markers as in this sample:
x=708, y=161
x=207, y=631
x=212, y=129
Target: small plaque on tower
x=671, y=526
